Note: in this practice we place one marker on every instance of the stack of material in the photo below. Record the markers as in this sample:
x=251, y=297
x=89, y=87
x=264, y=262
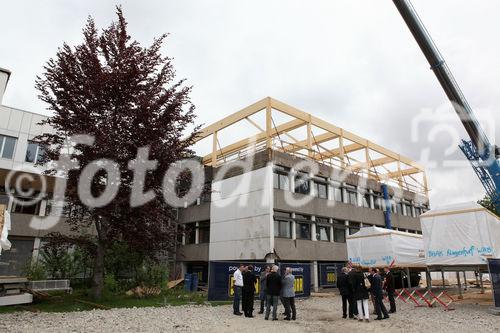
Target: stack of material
x=379, y=247
x=4, y=228
x=12, y=291
x=460, y=235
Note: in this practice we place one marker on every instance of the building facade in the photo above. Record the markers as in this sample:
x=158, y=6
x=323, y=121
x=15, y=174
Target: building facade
x=286, y=202
x=18, y=154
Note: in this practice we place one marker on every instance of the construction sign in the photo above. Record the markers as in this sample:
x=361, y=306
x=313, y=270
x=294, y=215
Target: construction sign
x=328, y=274
x=221, y=280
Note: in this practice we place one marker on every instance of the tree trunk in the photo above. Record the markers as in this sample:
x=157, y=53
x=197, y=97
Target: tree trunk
x=98, y=274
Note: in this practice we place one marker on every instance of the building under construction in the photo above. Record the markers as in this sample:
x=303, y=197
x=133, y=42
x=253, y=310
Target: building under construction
x=293, y=189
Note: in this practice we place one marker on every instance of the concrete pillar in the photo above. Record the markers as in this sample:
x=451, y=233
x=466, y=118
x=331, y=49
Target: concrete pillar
x=346, y=223
x=413, y=213
x=315, y=276
x=331, y=230
x=408, y=277
x=294, y=228
x=329, y=189
x=344, y=193
x=313, y=228
x=465, y=281
x=481, y=282
x=442, y=277
x=312, y=188
x=429, y=279
x=291, y=179
x=36, y=250
x=197, y=233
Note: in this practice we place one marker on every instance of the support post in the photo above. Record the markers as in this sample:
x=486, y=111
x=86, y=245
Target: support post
x=481, y=282
x=214, y=149
x=429, y=279
x=442, y=277
x=460, y=295
x=465, y=281
x=408, y=277
x=315, y=276
x=268, y=124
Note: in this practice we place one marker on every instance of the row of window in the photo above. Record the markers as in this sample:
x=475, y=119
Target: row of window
x=34, y=152
x=283, y=224
x=350, y=195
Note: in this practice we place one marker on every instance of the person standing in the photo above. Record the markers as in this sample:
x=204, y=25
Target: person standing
x=249, y=280
x=288, y=293
x=262, y=291
x=360, y=293
x=376, y=290
x=237, y=289
x=390, y=288
x=346, y=293
x=273, y=289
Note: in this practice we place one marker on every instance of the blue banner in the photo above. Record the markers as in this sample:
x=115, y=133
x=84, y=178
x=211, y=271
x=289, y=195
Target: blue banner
x=220, y=282
x=494, y=267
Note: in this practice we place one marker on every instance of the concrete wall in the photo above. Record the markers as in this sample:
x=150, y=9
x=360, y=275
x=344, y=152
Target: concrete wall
x=193, y=252
x=306, y=250
x=241, y=216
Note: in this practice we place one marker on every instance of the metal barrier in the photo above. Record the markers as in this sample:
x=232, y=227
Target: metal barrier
x=50, y=285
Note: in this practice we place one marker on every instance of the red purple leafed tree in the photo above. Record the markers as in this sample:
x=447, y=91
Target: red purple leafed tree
x=126, y=97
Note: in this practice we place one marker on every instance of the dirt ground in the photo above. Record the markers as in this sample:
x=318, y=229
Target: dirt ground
x=316, y=314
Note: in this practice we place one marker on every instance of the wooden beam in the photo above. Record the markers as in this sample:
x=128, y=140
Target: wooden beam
x=303, y=143
x=289, y=110
x=373, y=163
x=214, y=149
x=396, y=174
x=289, y=126
x=233, y=118
x=269, y=126
x=257, y=126
x=336, y=152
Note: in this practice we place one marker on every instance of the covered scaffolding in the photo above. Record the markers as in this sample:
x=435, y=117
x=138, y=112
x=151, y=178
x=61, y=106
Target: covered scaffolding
x=460, y=238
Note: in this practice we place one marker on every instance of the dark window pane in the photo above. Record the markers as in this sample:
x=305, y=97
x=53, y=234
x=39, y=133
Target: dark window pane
x=31, y=152
x=366, y=200
x=301, y=185
x=339, y=235
x=24, y=206
x=323, y=220
x=337, y=193
x=276, y=180
x=303, y=230
x=321, y=190
x=204, y=232
x=9, y=144
x=41, y=153
x=190, y=233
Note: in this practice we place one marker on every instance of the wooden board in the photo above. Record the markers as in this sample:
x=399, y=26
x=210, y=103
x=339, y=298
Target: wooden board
x=174, y=283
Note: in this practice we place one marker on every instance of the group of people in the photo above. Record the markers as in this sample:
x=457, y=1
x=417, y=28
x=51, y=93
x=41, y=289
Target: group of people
x=273, y=288
x=356, y=289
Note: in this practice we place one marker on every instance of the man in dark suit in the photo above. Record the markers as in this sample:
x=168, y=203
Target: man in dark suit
x=249, y=280
x=346, y=293
x=390, y=287
x=376, y=291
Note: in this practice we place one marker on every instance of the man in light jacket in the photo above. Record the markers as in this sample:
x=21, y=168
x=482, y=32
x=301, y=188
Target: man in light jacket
x=238, y=286
x=262, y=293
x=288, y=294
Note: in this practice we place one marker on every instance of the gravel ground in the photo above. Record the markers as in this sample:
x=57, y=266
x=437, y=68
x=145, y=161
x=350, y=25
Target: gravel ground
x=317, y=314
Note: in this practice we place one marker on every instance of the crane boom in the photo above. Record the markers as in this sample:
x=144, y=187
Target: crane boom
x=482, y=155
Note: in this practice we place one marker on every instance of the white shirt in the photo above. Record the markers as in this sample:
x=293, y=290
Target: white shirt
x=238, y=278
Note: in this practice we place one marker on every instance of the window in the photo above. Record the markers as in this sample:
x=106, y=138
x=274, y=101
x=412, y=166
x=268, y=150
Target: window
x=366, y=200
x=323, y=233
x=282, y=224
x=204, y=232
x=353, y=227
x=280, y=178
x=34, y=153
x=407, y=211
x=190, y=233
x=302, y=183
x=7, y=145
x=399, y=205
x=352, y=195
x=337, y=192
x=338, y=232
x=303, y=230
x=57, y=208
x=321, y=188
x=25, y=206
x=418, y=211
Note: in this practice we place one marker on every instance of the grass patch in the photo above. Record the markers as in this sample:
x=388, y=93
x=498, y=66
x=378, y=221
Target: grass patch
x=62, y=302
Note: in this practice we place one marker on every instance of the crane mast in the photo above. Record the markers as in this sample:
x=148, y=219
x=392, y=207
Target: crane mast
x=482, y=155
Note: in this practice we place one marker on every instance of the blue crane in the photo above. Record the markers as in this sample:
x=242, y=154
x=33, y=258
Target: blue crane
x=482, y=155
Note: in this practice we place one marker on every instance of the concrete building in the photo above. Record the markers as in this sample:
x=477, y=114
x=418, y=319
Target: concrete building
x=294, y=201
x=32, y=221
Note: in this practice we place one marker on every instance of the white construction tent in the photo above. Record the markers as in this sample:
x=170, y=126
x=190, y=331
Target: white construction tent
x=4, y=228
x=460, y=235
x=379, y=247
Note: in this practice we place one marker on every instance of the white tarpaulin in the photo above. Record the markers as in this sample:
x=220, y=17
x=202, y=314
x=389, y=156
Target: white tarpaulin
x=4, y=229
x=379, y=247
x=460, y=234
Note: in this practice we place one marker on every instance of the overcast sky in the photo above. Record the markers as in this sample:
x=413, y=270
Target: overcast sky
x=353, y=63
